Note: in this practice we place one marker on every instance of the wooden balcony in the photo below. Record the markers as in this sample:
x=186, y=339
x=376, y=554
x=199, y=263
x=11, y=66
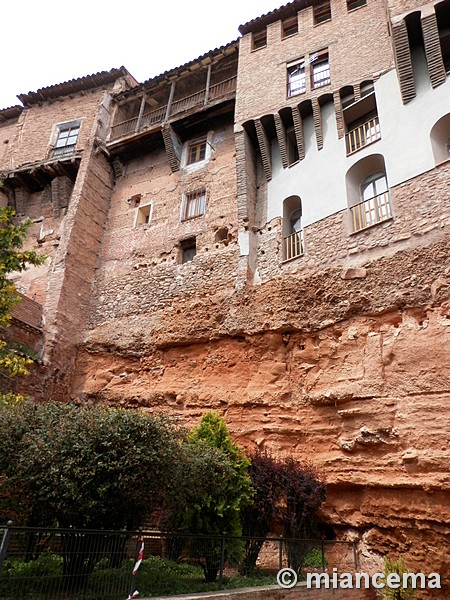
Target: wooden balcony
x=371, y=211
x=363, y=135
x=292, y=246
x=156, y=117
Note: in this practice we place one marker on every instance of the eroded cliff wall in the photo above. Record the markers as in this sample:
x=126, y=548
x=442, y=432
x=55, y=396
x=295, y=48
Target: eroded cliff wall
x=347, y=368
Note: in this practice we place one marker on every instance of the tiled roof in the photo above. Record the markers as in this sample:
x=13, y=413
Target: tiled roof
x=73, y=86
x=10, y=113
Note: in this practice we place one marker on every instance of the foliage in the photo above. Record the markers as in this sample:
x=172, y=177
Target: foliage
x=86, y=467
x=286, y=491
x=396, y=566
x=217, y=511
x=156, y=577
x=12, y=259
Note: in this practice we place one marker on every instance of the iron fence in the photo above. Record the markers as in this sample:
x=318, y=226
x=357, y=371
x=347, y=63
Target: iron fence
x=69, y=564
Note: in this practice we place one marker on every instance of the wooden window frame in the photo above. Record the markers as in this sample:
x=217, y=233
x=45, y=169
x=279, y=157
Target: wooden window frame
x=289, y=27
x=354, y=4
x=196, y=151
x=259, y=40
x=322, y=12
x=66, y=149
x=197, y=199
x=322, y=57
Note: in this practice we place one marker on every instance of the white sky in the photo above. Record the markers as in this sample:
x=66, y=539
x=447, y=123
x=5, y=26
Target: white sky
x=45, y=42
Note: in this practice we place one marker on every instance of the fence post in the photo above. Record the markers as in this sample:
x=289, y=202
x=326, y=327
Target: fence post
x=280, y=553
x=5, y=541
x=222, y=561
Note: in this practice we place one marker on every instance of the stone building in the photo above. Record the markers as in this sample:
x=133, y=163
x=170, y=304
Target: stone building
x=263, y=231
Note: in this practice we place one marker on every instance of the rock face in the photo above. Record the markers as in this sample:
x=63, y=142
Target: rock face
x=347, y=368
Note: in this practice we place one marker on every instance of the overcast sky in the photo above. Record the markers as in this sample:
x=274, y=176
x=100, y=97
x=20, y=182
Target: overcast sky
x=45, y=42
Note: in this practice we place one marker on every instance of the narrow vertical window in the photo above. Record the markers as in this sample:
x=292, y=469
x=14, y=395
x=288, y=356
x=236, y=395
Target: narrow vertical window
x=322, y=12
x=194, y=204
x=66, y=140
x=320, y=70
x=296, y=78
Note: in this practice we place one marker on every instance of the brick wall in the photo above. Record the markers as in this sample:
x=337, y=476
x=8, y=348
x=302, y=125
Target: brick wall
x=34, y=129
x=352, y=58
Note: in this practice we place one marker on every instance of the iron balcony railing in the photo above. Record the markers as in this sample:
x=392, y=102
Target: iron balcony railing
x=155, y=117
x=363, y=135
x=292, y=246
x=371, y=211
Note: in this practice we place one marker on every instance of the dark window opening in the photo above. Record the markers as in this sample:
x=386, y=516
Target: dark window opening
x=322, y=12
x=290, y=27
x=188, y=250
x=260, y=40
x=292, y=148
x=352, y=4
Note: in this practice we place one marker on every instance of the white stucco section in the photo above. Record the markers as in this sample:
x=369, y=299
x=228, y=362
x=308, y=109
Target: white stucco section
x=244, y=243
x=319, y=179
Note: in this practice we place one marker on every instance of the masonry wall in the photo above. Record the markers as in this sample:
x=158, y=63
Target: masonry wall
x=352, y=58
x=36, y=125
x=419, y=217
x=140, y=271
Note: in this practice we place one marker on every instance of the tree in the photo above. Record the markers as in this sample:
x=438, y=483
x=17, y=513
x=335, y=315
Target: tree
x=266, y=474
x=218, y=512
x=286, y=491
x=13, y=361
x=86, y=467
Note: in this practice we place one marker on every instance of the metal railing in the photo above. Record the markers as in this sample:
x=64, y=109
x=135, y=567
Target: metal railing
x=292, y=246
x=130, y=126
x=371, y=211
x=69, y=564
x=363, y=135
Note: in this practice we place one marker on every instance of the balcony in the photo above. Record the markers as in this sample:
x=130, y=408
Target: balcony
x=156, y=117
x=371, y=211
x=363, y=135
x=292, y=246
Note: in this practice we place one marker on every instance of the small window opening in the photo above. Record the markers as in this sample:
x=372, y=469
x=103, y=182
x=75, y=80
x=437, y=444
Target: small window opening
x=194, y=205
x=188, y=250
x=143, y=215
x=196, y=152
x=352, y=4
x=290, y=27
x=260, y=40
x=322, y=12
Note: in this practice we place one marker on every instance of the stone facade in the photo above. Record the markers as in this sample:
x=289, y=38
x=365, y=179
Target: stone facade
x=167, y=286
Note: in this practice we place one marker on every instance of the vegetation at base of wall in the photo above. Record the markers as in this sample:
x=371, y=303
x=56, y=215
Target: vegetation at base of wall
x=156, y=576
x=13, y=360
x=217, y=512
x=288, y=492
x=396, y=566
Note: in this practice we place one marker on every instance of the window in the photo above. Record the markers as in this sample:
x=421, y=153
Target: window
x=368, y=193
x=289, y=27
x=143, y=215
x=320, y=71
x=196, y=151
x=296, y=76
x=292, y=228
x=67, y=135
x=188, y=250
x=322, y=12
x=362, y=123
x=260, y=40
x=194, y=205
x=351, y=4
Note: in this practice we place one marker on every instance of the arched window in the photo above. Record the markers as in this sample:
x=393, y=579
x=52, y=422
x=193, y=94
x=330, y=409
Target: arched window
x=368, y=193
x=292, y=228
x=440, y=139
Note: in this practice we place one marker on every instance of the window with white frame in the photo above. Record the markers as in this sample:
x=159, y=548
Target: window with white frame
x=143, y=214
x=66, y=138
x=296, y=77
x=194, y=204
